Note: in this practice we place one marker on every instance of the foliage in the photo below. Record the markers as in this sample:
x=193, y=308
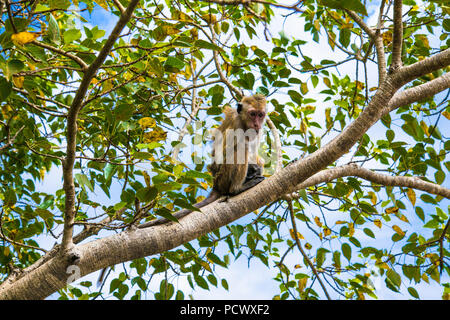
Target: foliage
x=166, y=68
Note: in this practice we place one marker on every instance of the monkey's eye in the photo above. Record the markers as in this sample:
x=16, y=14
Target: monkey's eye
x=253, y=114
x=261, y=114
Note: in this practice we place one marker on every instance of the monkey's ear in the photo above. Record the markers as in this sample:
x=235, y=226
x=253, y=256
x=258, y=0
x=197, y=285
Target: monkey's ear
x=239, y=107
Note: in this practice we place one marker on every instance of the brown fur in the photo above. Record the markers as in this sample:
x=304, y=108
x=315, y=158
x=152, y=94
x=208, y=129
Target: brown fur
x=229, y=178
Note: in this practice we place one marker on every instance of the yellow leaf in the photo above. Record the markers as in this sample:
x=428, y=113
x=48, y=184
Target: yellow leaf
x=147, y=122
x=308, y=246
x=398, y=230
x=446, y=114
x=403, y=218
x=297, y=266
x=317, y=221
x=102, y=3
x=205, y=265
x=303, y=126
x=108, y=85
x=326, y=231
x=391, y=210
x=304, y=88
x=302, y=284
x=274, y=62
x=387, y=37
x=378, y=223
x=156, y=135
x=22, y=38
x=340, y=222
x=351, y=229
x=411, y=196
x=347, y=26
x=6, y=251
x=18, y=81
x=317, y=25
x=146, y=178
x=424, y=127
x=329, y=122
x=359, y=85
x=373, y=197
x=42, y=172
x=291, y=232
x=327, y=82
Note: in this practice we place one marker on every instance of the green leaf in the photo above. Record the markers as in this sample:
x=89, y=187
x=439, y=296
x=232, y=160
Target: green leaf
x=71, y=35
x=166, y=213
x=5, y=88
x=10, y=198
x=354, y=5
x=369, y=232
x=344, y=37
x=413, y=292
x=83, y=180
x=225, y=284
x=347, y=251
x=206, y=45
x=446, y=25
x=59, y=4
x=394, y=277
x=147, y=194
x=174, y=62
x=124, y=112
x=201, y=282
x=14, y=66
x=53, y=28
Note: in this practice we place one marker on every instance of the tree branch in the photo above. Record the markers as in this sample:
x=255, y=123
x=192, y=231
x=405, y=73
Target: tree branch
x=397, y=37
x=305, y=256
x=69, y=185
x=78, y=60
x=353, y=170
x=421, y=68
x=418, y=93
x=376, y=38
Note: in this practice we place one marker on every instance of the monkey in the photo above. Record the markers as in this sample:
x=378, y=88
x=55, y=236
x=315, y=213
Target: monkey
x=231, y=174
x=235, y=167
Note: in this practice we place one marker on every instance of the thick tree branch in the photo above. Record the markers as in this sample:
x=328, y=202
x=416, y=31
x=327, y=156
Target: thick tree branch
x=69, y=186
x=421, y=68
x=418, y=93
x=397, y=37
x=353, y=170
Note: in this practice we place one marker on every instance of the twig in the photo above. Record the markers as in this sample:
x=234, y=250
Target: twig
x=305, y=256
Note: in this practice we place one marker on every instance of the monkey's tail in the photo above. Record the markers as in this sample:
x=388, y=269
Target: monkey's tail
x=213, y=196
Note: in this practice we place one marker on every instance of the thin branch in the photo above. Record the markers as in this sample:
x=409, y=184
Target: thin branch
x=305, y=256
x=4, y=237
x=77, y=104
x=78, y=60
x=377, y=40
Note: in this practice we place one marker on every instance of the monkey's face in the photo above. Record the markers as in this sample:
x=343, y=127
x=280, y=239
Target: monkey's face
x=255, y=119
